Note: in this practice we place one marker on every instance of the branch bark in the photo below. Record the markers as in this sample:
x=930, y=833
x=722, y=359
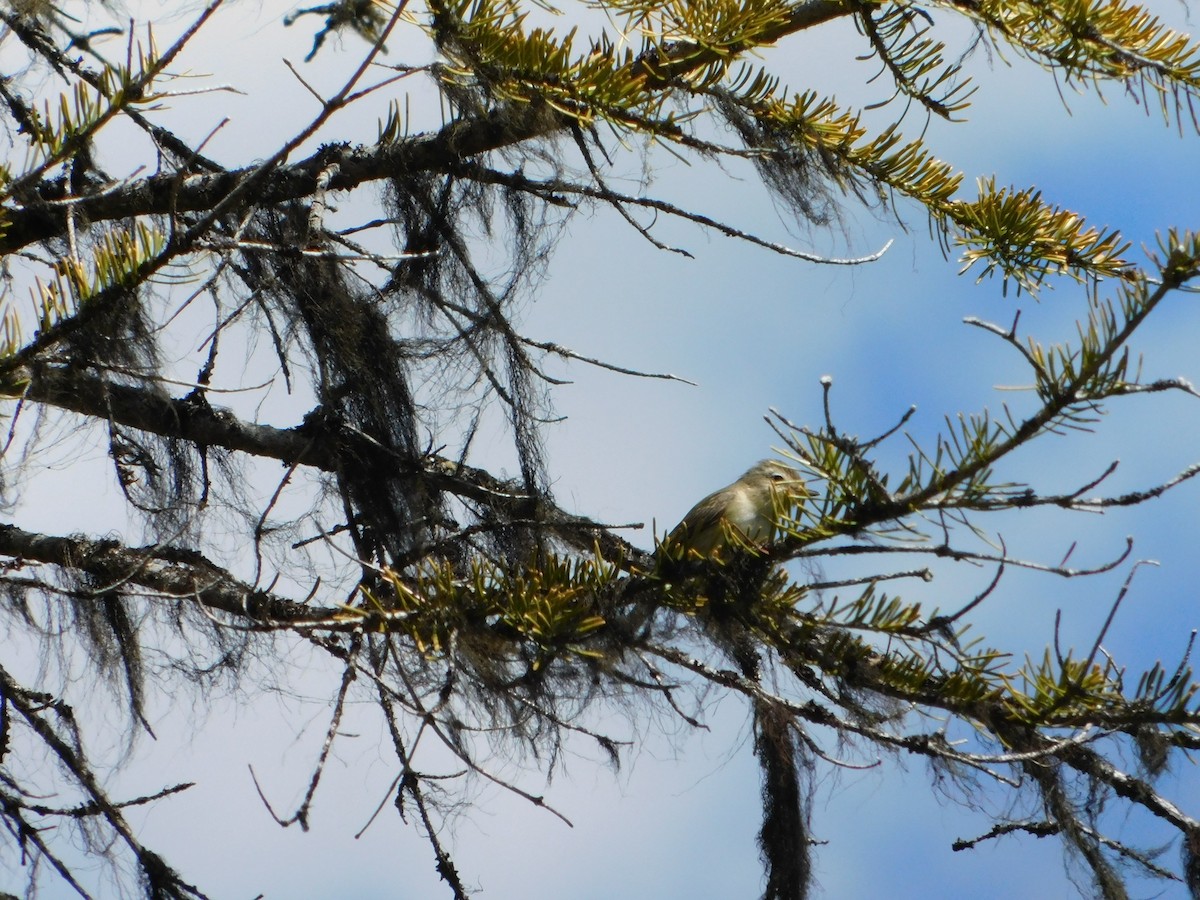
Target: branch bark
x=46, y=218
x=184, y=574
x=507, y=125
x=316, y=442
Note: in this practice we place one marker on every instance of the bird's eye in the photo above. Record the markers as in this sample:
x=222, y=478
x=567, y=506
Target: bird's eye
x=777, y=476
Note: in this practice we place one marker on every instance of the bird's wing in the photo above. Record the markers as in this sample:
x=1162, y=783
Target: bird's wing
x=702, y=519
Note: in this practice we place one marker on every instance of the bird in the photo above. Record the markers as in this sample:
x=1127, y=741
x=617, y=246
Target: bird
x=731, y=528
x=742, y=516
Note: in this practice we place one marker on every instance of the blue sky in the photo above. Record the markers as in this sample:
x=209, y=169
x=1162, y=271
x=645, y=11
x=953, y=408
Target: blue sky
x=754, y=331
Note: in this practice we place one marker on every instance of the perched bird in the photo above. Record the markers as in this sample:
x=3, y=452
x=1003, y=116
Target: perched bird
x=729, y=525
x=742, y=515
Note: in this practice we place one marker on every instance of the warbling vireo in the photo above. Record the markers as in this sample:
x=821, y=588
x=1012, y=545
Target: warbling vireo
x=741, y=515
x=729, y=525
